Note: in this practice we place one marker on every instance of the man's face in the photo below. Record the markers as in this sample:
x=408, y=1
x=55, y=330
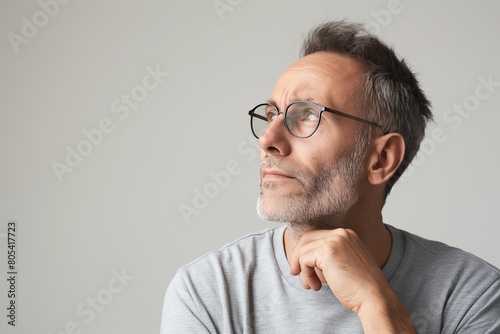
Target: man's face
x=311, y=180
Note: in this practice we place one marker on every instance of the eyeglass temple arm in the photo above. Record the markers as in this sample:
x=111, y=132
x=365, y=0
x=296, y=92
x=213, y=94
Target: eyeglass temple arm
x=353, y=117
x=251, y=113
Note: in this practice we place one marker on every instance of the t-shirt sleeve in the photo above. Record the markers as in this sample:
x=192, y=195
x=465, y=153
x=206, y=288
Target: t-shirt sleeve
x=180, y=312
x=484, y=315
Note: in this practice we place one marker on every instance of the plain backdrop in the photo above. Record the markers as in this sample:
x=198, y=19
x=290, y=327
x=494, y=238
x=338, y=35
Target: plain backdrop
x=68, y=69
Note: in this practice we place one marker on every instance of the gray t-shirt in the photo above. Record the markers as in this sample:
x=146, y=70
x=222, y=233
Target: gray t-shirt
x=246, y=287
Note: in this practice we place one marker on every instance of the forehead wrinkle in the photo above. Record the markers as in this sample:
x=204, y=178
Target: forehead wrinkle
x=293, y=90
x=311, y=88
x=326, y=78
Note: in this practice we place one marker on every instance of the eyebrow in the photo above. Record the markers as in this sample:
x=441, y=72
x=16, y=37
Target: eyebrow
x=310, y=99
x=270, y=100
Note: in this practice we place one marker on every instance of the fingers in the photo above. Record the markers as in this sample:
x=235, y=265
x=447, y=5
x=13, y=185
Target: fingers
x=304, y=260
x=305, y=265
x=301, y=248
x=314, y=250
x=339, y=258
x=310, y=279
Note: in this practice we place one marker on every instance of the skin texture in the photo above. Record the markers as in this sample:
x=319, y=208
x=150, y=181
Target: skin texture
x=342, y=241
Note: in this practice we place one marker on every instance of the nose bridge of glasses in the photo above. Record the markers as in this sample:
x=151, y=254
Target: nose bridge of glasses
x=273, y=122
x=278, y=114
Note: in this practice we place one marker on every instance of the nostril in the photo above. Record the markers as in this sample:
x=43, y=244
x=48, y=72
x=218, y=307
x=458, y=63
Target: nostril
x=273, y=150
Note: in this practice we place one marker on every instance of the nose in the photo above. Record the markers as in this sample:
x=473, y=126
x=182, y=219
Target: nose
x=276, y=139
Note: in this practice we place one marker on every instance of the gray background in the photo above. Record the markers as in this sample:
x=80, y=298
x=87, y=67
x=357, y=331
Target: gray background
x=119, y=209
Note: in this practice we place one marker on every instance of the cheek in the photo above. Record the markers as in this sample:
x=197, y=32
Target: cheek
x=327, y=144
x=337, y=141
x=339, y=131
x=314, y=156
x=321, y=152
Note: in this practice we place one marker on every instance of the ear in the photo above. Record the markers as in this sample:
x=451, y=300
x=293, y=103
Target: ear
x=386, y=155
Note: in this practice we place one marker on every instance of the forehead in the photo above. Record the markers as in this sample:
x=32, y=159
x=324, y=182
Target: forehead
x=325, y=77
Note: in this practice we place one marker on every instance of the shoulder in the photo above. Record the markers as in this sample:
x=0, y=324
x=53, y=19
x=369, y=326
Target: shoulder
x=239, y=254
x=211, y=290
x=461, y=289
x=443, y=255
x=214, y=274
x=445, y=266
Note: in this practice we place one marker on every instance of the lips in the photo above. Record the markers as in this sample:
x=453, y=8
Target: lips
x=274, y=173
x=274, y=169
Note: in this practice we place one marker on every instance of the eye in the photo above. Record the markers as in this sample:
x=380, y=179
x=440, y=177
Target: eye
x=310, y=115
x=271, y=114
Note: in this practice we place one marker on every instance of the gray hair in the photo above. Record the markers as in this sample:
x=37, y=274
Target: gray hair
x=392, y=95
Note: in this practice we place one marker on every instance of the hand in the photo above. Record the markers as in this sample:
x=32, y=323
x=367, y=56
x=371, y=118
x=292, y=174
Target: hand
x=341, y=259
x=347, y=266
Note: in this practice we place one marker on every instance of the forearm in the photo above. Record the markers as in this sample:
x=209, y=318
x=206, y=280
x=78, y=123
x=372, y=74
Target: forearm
x=385, y=314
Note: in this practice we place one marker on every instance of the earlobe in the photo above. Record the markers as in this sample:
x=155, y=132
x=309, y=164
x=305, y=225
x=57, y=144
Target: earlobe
x=386, y=156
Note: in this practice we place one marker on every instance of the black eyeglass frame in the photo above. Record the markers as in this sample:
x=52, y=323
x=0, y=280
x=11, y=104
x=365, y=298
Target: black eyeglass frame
x=321, y=109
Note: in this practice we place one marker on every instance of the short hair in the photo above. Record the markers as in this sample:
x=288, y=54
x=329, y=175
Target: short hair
x=392, y=95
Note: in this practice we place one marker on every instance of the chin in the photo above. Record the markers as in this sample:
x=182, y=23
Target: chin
x=270, y=212
x=300, y=215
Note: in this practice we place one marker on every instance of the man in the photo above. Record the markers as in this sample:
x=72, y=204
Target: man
x=341, y=126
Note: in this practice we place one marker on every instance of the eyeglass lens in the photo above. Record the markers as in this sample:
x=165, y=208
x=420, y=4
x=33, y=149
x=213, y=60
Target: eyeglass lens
x=302, y=118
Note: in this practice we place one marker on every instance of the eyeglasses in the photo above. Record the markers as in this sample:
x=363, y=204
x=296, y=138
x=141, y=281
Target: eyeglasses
x=301, y=118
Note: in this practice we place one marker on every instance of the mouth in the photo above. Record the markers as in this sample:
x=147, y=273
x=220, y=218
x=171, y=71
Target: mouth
x=274, y=174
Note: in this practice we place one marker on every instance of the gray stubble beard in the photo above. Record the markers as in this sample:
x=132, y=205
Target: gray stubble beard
x=325, y=198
